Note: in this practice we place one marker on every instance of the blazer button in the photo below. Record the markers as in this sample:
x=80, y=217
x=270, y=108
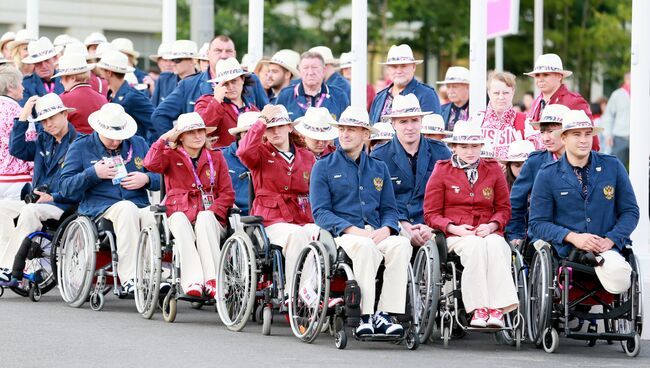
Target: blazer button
x=194, y=206
x=363, y=203
x=471, y=194
x=360, y=187
x=286, y=187
x=588, y=219
x=193, y=185
x=288, y=172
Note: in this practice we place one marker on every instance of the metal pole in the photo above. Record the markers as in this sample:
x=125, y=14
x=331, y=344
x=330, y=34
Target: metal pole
x=477, y=55
x=202, y=20
x=538, y=42
x=359, y=53
x=31, y=17
x=168, y=21
x=498, y=54
x=255, y=29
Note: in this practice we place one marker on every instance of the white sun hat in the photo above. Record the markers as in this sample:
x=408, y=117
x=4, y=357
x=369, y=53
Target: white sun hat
x=487, y=150
x=553, y=114
x=355, y=116
x=287, y=59
x=163, y=49
x=6, y=38
x=226, y=70
x=188, y=122
x=405, y=106
x=345, y=60
x=62, y=40
x=115, y=61
x=576, y=119
x=456, y=74
x=317, y=124
x=48, y=106
x=182, y=49
x=245, y=121
x=71, y=64
x=466, y=132
x=126, y=46
x=385, y=132
x=3, y=60
x=326, y=53
x=280, y=118
x=23, y=37
x=76, y=48
x=112, y=122
x=95, y=38
x=401, y=54
x=433, y=124
x=549, y=63
x=101, y=49
x=614, y=272
x=518, y=151
x=203, y=52
x=39, y=50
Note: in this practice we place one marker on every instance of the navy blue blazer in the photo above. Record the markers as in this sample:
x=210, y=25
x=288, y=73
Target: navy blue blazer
x=138, y=106
x=165, y=85
x=427, y=96
x=33, y=85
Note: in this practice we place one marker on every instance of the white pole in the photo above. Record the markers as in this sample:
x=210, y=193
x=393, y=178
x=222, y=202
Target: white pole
x=31, y=17
x=639, y=149
x=538, y=37
x=201, y=21
x=255, y=29
x=477, y=55
x=359, y=53
x=168, y=21
x=498, y=54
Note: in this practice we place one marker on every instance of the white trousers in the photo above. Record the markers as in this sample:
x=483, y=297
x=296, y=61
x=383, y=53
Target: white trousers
x=366, y=257
x=198, y=247
x=30, y=218
x=293, y=239
x=11, y=190
x=127, y=221
x=486, y=281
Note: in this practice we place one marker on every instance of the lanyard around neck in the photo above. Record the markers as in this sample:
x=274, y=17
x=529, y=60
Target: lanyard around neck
x=197, y=180
x=303, y=106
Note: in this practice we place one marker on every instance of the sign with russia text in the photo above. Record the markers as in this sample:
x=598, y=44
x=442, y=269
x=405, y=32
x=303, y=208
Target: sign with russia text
x=503, y=18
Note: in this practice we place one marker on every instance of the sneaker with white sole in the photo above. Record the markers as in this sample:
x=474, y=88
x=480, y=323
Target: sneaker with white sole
x=480, y=318
x=383, y=324
x=128, y=287
x=365, y=326
x=5, y=275
x=495, y=319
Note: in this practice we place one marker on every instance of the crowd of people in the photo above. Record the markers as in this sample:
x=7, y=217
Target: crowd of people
x=88, y=129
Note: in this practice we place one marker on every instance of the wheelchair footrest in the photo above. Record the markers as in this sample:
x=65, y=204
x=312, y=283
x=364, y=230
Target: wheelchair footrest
x=601, y=336
x=378, y=337
x=488, y=329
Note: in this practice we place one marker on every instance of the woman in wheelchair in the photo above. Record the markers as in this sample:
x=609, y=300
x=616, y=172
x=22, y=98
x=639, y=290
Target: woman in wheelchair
x=199, y=193
x=467, y=199
x=281, y=169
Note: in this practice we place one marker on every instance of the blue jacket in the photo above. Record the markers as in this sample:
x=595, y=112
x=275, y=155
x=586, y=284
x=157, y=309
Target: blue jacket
x=34, y=87
x=139, y=74
x=426, y=95
x=520, y=193
x=338, y=81
x=335, y=100
x=80, y=182
x=558, y=206
x=409, y=189
x=138, y=106
x=165, y=85
x=184, y=96
x=236, y=168
x=344, y=194
x=48, y=157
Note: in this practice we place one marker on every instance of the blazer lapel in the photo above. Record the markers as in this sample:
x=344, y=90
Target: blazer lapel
x=595, y=171
x=424, y=156
x=401, y=161
x=568, y=175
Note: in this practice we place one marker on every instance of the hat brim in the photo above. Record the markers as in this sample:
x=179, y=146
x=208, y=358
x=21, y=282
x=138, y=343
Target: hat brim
x=174, y=137
x=155, y=58
x=294, y=72
x=596, y=130
x=114, y=69
x=236, y=130
x=126, y=133
x=453, y=82
x=135, y=54
x=417, y=62
x=177, y=57
x=53, y=112
x=444, y=132
x=31, y=60
x=88, y=68
x=280, y=123
x=508, y=159
x=320, y=136
x=4, y=61
x=2, y=43
x=407, y=114
x=13, y=44
x=372, y=129
x=452, y=140
x=565, y=73
x=229, y=78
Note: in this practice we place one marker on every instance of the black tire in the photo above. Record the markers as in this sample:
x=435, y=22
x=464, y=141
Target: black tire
x=540, y=298
x=426, y=269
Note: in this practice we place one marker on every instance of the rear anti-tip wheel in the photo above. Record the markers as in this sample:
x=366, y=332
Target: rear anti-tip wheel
x=632, y=347
x=340, y=339
x=267, y=319
x=550, y=340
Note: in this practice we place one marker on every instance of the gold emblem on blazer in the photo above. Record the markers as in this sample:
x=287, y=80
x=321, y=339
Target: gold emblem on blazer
x=608, y=191
x=379, y=183
x=305, y=175
x=488, y=192
x=138, y=163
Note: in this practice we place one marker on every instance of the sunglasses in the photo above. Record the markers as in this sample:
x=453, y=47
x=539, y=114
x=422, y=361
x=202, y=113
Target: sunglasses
x=178, y=61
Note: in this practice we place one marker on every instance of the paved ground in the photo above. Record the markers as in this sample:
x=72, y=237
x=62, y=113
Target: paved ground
x=49, y=333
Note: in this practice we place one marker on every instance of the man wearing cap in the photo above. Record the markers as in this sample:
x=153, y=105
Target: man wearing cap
x=283, y=67
x=48, y=151
x=75, y=73
x=332, y=77
x=104, y=171
x=550, y=122
x=43, y=55
x=549, y=77
x=352, y=197
x=457, y=84
x=410, y=159
x=181, y=58
x=113, y=66
x=345, y=67
x=312, y=89
x=585, y=201
x=401, y=65
x=184, y=96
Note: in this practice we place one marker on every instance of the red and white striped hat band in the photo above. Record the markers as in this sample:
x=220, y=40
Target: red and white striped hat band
x=315, y=129
x=111, y=127
x=523, y=155
x=227, y=73
x=406, y=110
x=280, y=119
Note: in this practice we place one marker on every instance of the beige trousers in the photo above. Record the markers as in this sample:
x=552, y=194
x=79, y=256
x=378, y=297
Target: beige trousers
x=198, y=247
x=366, y=257
x=293, y=239
x=127, y=221
x=30, y=218
x=486, y=281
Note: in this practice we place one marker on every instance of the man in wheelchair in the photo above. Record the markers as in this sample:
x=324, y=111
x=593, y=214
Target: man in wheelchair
x=352, y=197
x=585, y=201
x=55, y=134
x=105, y=172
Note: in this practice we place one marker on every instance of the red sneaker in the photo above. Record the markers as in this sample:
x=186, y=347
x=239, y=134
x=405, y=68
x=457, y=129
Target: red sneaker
x=496, y=319
x=480, y=317
x=211, y=288
x=195, y=290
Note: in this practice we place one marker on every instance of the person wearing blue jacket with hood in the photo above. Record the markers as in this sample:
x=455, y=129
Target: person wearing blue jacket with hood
x=585, y=201
x=104, y=171
x=55, y=134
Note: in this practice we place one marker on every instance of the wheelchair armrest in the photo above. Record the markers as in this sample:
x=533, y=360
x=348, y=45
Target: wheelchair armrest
x=103, y=226
x=158, y=208
x=234, y=211
x=252, y=219
x=441, y=244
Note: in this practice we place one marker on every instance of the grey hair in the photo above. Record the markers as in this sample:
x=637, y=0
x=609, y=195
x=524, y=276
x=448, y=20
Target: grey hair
x=10, y=77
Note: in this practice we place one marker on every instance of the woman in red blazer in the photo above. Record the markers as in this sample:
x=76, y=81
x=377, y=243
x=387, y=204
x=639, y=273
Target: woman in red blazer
x=199, y=192
x=281, y=170
x=467, y=198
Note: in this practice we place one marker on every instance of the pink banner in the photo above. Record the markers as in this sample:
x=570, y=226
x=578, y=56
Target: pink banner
x=503, y=17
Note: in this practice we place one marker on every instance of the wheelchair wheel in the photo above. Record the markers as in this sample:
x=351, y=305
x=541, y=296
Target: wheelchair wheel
x=38, y=267
x=148, y=271
x=169, y=306
x=550, y=340
x=426, y=268
x=237, y=280
x=309, y=293
x=267, y=320
x=539, y=302
x=632, y=347
x=77, y=261
x=340, y=339
x=515, y=318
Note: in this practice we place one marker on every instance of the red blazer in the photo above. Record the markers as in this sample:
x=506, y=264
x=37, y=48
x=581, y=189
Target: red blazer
x=281, y=190
x=182, y=193
x=220, y=115
x=86, y=101
x=449, y=199
x=99, y=84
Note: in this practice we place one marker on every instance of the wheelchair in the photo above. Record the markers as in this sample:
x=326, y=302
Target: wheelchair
x=441, y=297
x=562, y=290
x=325, y=296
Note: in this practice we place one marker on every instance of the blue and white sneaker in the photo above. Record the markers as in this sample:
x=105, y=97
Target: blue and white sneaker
x=5, y=275
x=365, y=326
x=13, y=282
x=384, y=325
x=128, y=287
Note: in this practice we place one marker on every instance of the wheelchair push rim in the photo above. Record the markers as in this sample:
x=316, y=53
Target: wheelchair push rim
x=148, y=272
x=77, y=261
x=426, y=269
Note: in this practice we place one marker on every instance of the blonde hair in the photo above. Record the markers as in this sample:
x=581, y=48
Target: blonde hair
x=507, y=78
x=18, y=61
x=10, y=77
